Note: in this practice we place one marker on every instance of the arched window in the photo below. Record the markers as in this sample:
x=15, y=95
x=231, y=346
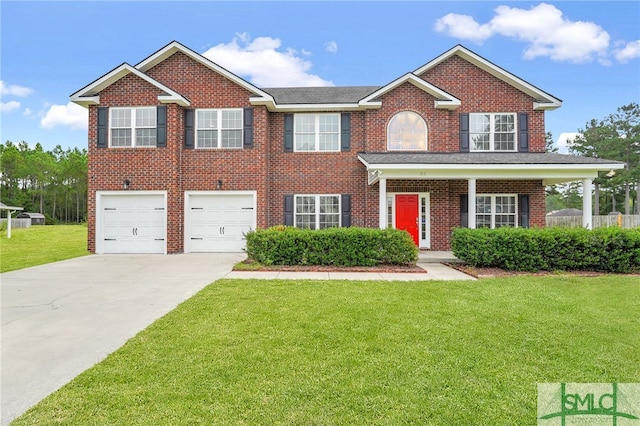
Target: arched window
x=407, y=131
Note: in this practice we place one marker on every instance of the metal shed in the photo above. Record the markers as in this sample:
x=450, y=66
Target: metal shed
x=36, y=218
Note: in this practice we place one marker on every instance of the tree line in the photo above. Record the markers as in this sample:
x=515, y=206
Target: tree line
x=615, y=137
x=53, y=183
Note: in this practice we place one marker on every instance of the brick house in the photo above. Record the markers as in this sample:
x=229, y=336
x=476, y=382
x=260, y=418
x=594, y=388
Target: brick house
x=185, y=156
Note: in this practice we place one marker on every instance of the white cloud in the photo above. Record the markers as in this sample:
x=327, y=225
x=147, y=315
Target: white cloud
x=463, y=27
x=27, y=112
x=543, y=27
x=70, y=115
x=564, y=141
x=628, y=52
x=9, y=106
x=14, y=90
x=264, y=63
x=331, y=46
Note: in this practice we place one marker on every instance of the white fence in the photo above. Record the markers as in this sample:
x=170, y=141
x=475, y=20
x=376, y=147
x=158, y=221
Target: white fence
x=17, y=223
x=621, y=220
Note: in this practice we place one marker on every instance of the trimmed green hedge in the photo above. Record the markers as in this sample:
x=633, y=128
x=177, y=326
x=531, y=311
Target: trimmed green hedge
x=550, y=249
x=285, y=245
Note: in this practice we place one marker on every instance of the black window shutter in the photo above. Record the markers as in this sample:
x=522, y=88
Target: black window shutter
x=103, y=114
x=288, y=133
x=345, y=137
x=523, y=132
x=248, y=128
x=523, y=206
x=189, y=128
x=288, y=210
x=464, y=210
x=464, y=132
x=161, y=126
x=346, y=209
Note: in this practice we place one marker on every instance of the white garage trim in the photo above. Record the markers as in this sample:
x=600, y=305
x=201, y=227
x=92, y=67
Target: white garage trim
x=215, y=221
x=138, y=242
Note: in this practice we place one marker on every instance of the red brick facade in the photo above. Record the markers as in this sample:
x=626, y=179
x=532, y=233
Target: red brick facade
x=273, y=173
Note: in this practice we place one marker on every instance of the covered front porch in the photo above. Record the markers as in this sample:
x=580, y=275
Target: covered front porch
x=429, y=194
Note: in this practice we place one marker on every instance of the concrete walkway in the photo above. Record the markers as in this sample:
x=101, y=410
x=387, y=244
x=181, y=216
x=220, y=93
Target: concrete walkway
x=62, y=318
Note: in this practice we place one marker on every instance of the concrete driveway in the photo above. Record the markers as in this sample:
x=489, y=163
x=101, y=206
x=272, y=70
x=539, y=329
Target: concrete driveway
x=62, y=318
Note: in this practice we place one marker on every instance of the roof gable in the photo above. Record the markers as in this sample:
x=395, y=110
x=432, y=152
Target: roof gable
x=174, y=47
x=90, y=94
x=542, y=99
x=443, y=100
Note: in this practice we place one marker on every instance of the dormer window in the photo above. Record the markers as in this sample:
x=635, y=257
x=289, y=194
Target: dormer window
x=407, y=131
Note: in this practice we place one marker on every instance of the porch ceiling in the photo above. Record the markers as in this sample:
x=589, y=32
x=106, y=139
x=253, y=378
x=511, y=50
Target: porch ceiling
x=548, y=167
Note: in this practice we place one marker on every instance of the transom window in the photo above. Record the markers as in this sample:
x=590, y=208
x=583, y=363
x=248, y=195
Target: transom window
x=131, y=127
x=495, y=211
x=219, y=128
x=407, y=131
x=317, y=132
x=317, y=211
x=492, y=132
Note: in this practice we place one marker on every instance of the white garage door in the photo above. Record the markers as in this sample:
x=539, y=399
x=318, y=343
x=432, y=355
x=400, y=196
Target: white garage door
x=132, y=223
x=218, y=222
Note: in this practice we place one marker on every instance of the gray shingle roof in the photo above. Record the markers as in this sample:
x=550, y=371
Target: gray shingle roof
x=320, y=95
x=478, y=158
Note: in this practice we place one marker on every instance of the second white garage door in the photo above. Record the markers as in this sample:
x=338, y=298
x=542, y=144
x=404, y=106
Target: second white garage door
x=217, y=222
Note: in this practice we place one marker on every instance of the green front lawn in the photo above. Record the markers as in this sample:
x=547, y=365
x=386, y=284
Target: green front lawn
x=357, y=353
x=38, y=245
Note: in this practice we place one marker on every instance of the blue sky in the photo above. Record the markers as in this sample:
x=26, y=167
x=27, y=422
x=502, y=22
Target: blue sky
x=585, y=53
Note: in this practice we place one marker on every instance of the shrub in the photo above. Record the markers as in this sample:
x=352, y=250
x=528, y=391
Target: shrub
x=284, y=245
x=48, y=220
x=551, y=249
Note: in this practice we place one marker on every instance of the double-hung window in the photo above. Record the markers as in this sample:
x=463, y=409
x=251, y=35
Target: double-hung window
x=492, y=132
x=133, y=127
x=495, y=211
x=317, y=132
x=219, y=128
x=317, y=211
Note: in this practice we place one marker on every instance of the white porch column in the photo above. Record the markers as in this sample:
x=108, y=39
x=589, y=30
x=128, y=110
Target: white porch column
x=587, y=220
x=383, y=203
x=472, y=204
x=8, y=223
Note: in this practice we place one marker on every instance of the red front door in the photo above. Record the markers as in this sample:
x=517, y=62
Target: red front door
x=407, y=214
